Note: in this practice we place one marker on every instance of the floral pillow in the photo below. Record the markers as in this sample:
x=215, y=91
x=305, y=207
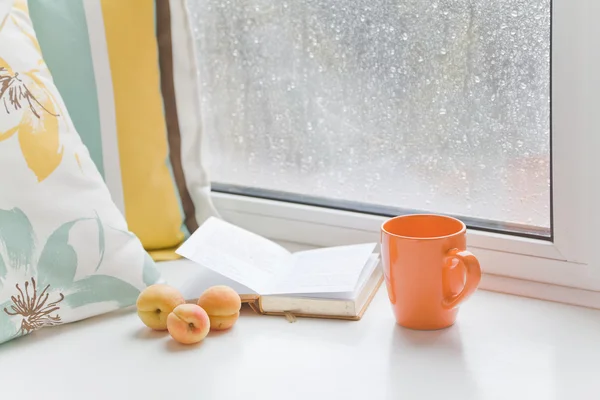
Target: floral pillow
x=65, y=251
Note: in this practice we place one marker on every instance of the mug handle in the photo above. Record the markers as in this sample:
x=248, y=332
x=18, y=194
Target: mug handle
x=473, y=276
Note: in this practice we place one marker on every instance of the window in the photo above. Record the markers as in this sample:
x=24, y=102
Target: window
x=344, y=112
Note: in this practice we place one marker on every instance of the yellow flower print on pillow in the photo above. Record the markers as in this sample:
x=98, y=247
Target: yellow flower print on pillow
x=26, y=95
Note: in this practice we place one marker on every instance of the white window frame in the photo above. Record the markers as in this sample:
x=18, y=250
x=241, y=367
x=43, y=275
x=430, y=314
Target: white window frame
x=563, y=269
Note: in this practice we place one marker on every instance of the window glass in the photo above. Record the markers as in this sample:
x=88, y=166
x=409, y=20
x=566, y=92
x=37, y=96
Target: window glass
x=436, y=106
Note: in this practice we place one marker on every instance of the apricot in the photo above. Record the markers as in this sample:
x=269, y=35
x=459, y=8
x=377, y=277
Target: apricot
x=188, y=323
x=222, y=304
x=155, y=303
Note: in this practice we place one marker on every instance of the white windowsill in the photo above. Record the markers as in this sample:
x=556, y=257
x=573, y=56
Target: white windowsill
x=502, y=347
x=520, y=266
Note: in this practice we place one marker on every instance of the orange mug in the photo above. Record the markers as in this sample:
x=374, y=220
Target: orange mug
x=428, y=271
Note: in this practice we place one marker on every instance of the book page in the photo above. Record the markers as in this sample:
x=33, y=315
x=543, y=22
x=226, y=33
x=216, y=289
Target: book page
x=327, y=270
x=364, y=277
x=235, y=253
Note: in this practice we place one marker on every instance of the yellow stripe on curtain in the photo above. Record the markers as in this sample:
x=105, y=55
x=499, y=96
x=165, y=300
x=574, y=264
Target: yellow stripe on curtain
x=152, y=212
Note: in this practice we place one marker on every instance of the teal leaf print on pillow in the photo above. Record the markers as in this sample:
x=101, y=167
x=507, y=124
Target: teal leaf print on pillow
x=16, y=239
x=3, y=272
x=151, y=274
x=100, y=288
x=47, y=288
x=16, y=242
x=58, y=261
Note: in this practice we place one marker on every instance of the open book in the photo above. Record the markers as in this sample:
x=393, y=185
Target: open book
x=334, y=282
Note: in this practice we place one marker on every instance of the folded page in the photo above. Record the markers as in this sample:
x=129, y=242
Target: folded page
x=235, y=253
x=327, y=270
x=201, y=278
